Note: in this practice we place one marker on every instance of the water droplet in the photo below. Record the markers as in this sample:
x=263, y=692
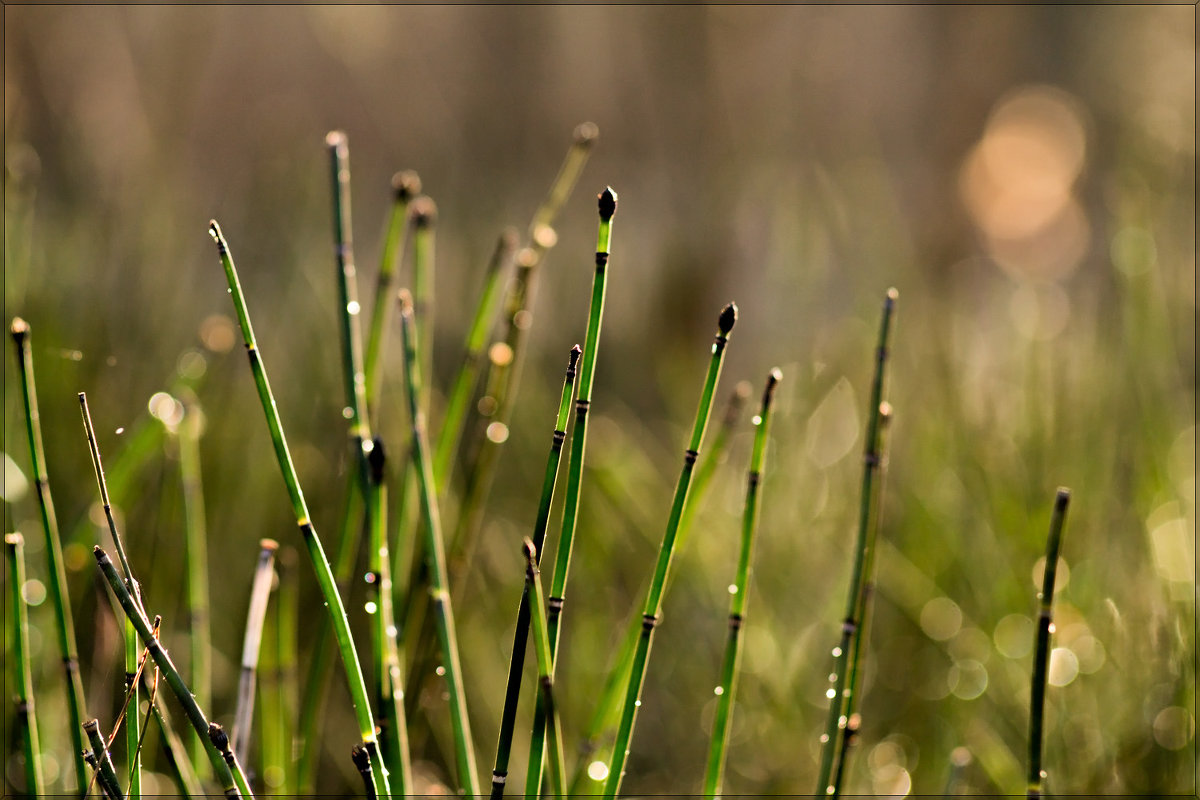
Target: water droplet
x=369, y=577
x=832, y=677
x=352, y=307
x=756, y=420
x=497, y=433
x=597, y=770
x=34, y=592
x=440, y=670
x=718, y=691
x=831, y=693
x=837, y=651
x=371, y=607
x=347, y=412
x=637, y=703
x=120, y=430
x=733, y=588
x=824, y=738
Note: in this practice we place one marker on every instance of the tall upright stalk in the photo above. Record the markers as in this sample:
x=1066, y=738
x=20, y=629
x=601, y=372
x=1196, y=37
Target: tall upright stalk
x=607, y=712
x=436, y=557
x=512, y=691
x=849, y=732
x=65, y=628
x=195, y=715
x=260, y=593
x=1041, y=656
x=195, y=554
x=316, y=553
x=722, y=721
x=405, y=186
x=389, y=682
x=607, y=206
x=545, y=664
x=14, y=550
x=654, y=597
x=831, y=741
x=132, y=651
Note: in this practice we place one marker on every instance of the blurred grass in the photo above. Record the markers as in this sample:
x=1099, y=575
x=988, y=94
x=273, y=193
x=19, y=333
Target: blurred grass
x=797, y=160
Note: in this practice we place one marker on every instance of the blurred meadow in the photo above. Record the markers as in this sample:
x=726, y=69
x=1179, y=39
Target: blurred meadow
x=1023, y=175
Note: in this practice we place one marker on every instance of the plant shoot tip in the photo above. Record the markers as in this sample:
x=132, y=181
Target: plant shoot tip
x=530, y=550
x=13, y=538
x=406, y=184
x=892, y=295
x=405, y=299
x=586, y=133
x=335, y=139
x=424, y=211
x=729, y=316
x=361, y=758
x=885, y=411
x=608, y=203
x=1061, y=498
x=775, y=375
x=19, y=327
x=268, y=544
x=214, y=230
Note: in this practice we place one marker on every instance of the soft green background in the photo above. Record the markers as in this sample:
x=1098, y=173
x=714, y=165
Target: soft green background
x=1025, y=176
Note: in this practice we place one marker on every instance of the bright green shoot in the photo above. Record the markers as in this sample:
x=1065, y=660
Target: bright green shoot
x=14, y=549
x=1041, y=656
x=722, y=721
x=541, y=646
x=521, y=635
x=58, y=580
x=435, y=555
x=333, y=601
x=831, y=740
x=607, y=206
x=654, y=597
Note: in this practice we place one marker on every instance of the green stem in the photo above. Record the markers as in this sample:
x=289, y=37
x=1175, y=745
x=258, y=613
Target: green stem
x=220, y=740
x=512, y=693
x=325, y=579
x=185, y=773
x=194, y=714
x=857, y=646
x=608, y=708
x=541, y=641
x=831, y=741
x=133, y=722
x=405, y=186
x=260, y=593
x=436, y=558
x=722, y=721
x=653, y=607
x=389, y=682
x=14, y=547
x=1041, y=657
x=106, y=775
x=59, y=595
x=196, y=558
x=607, y=207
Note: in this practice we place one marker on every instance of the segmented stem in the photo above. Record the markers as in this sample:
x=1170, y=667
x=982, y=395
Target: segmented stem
x=100, y=760
x=260, y=593
x=545, y=663
x=14, y=548
x=653, y=607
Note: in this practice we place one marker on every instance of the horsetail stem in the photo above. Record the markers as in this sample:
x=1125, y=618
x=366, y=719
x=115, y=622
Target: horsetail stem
x=1041, y=657
x=607, y=208
x=512, y=691
x=194, y=714
x=276, y=684
x=362, y=762
x=348, y=311
x=389, y=682
x=260, y=593
x=14, y=548
x=545, y=663
x=185, y=773
x=133, y=724
x=504, y=373
x=195, y=556
x=608, y=707
x=459, y=398
x=722, y=721
x=59, y=595
x=654, y=598
x=436, y=558
x=405, y=186
x=424, y=214
x=220, y=740
x=333, y=601
x=106, y=775
x=853, y=718
x=831, y=741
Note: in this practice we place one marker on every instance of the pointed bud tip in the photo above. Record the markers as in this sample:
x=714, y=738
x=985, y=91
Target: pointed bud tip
x=214, y=230
x=19, y=327
x=528, y=548
x=729, y=316
x=586, y=134
x=573, y=357
x=424, y=212
x=406, y=184
x=608, y=203
x=774, y=376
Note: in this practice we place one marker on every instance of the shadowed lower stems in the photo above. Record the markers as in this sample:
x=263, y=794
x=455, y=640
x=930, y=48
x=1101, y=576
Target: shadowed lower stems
x=106, y=775
x=607, y=209
x=521, y=634
x=174, y=680
x=435, y=556
x=59, y=596
x=723, y=718
x=220, y=741
x=14, y=550
x=545, y=664
x=316, y=553
x=1041, y=656
x=654, y=598
x=831, y=741
x=362, y=763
